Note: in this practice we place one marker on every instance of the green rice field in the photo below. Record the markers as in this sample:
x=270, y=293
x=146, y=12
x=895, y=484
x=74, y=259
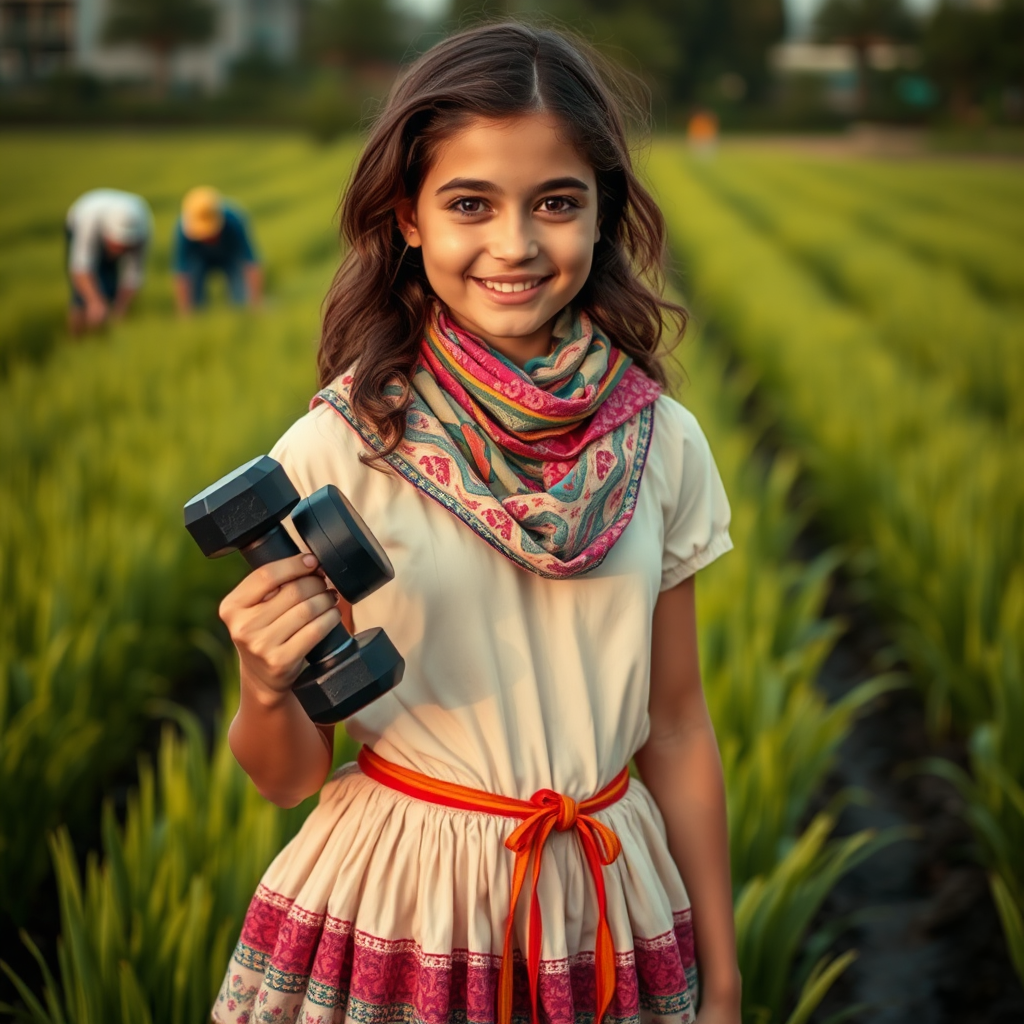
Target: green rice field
x=857, y=360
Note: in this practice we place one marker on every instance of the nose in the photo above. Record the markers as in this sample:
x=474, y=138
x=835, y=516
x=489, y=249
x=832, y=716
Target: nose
x=513, y=239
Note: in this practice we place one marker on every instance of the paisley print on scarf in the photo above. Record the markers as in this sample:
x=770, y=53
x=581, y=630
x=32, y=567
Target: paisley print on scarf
x=543, y=462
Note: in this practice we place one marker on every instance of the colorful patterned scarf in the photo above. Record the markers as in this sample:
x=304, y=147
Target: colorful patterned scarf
x=542, y=462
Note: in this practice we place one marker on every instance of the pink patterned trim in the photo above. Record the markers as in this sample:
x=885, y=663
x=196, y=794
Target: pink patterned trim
x=290, y=955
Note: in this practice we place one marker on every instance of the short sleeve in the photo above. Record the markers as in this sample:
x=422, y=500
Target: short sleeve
x=85, y=234
x=696, y=507
x=241, y=237
x=312, y=452
x=318, y=449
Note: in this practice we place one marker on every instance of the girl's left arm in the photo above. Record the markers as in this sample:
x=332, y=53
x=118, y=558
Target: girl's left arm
x=681, y=767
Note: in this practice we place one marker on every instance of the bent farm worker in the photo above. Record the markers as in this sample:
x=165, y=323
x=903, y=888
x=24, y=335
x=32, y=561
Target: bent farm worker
x=107, y=232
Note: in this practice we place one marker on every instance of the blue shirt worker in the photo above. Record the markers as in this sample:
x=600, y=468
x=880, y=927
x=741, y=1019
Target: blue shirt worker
x=107, y=232
x=213, y=236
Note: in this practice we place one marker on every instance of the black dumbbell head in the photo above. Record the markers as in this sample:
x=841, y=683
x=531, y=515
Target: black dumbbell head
x=371, y=668
x=240, y=507
x=349, y=554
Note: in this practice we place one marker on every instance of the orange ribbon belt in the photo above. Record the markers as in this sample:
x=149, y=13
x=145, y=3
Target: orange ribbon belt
x=544, y=811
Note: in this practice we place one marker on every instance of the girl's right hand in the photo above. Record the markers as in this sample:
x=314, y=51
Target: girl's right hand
x=275, y=616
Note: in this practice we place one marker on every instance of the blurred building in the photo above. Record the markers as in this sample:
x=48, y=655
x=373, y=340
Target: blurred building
x=39, y=38
x=834, y=66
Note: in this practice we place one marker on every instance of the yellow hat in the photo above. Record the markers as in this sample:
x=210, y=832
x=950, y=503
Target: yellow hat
x=202, y=213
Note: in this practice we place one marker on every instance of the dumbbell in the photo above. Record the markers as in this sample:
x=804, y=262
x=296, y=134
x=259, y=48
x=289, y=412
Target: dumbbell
x=243, y=511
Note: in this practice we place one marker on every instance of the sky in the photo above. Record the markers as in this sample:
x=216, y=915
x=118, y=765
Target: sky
x=800, y=11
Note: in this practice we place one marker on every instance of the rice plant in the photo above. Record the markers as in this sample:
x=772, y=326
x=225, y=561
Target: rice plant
x=966, y=219
x=929, y=315
x=931, y=498
x=971, y=218
x=763, y=641
x=100, y=448
x=148, y=930
x=773, y=912
x=102, y=583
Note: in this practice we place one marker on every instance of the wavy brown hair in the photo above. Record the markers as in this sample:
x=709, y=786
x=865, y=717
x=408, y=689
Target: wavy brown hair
x=378, y=303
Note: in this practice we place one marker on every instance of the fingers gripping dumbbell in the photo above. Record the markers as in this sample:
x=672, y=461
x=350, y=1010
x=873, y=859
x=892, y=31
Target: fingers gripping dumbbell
x=243, y=511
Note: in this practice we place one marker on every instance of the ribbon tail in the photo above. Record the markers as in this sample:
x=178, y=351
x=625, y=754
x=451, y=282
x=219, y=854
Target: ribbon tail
x=535, y=927
x=505, y=972
x=604, y=970
x=604, y=949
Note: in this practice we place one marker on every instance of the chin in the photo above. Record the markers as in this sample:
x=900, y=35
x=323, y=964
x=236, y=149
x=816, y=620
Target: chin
x=512, y=321
x=512, y=326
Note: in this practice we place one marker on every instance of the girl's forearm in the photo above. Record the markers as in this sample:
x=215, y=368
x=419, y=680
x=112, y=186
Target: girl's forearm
x=285, y=754
x=683, y=771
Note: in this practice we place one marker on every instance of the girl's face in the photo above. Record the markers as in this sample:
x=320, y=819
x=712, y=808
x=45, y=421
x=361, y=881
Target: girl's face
x=506, y=219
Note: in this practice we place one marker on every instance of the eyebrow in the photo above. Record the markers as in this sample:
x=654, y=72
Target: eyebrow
x=489, y=188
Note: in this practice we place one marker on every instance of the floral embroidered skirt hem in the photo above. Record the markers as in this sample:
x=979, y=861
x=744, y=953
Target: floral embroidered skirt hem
x=385, y=909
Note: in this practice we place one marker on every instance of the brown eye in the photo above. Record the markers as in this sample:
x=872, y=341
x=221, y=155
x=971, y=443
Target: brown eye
x=468, y=206
x=557, y=204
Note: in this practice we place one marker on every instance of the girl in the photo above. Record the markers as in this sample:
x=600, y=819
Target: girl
x=492, y=405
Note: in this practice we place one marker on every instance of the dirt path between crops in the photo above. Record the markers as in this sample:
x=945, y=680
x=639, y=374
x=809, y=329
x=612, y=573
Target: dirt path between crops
x=931, y=950
x=867, y=141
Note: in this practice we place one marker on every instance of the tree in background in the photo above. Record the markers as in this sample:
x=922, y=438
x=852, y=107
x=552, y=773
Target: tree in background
x=754, y=27
x=862, y=24
x=681, y=47
x=700, y=42
x=958, y=52
x=463, y=13
x=356, y=34
x=975, y=54
x=1008, y=62
x=162, y=27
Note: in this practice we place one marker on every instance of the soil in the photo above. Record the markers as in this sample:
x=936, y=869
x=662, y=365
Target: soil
x=875, y=142
x=919, y=912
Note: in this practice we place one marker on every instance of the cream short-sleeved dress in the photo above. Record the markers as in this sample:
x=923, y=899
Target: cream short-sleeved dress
x=385, y=908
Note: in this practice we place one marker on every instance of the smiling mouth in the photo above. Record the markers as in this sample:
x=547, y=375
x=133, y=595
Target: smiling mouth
x=512, y=287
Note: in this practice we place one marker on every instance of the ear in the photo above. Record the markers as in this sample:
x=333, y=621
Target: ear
x=405, y=214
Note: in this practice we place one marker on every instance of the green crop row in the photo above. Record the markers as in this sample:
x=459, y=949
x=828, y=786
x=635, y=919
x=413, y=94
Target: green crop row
x=927, y=314
x=932, y=498
x=763, y=641
x=102, y=582
x=968, y=219
x=148, y=930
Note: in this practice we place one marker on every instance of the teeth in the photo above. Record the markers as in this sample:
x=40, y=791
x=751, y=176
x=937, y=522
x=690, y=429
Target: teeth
x=508, y=287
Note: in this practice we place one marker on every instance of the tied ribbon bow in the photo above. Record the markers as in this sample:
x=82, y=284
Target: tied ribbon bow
x=544, y=812
x=601, y=846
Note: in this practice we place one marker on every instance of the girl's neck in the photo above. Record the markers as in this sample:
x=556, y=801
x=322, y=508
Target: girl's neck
x=518, y=350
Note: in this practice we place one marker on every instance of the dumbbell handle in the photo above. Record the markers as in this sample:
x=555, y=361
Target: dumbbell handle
x=274, y=545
